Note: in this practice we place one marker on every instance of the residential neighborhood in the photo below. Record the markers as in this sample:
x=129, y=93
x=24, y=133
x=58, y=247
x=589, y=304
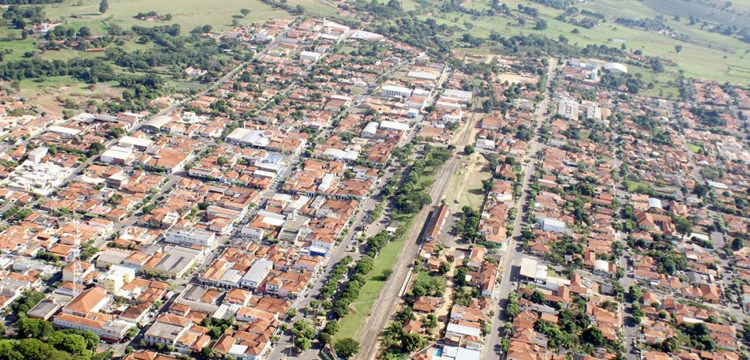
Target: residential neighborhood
x=344, y=194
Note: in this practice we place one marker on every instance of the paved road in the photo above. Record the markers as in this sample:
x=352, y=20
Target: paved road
x=513, y=253
x=388, y=300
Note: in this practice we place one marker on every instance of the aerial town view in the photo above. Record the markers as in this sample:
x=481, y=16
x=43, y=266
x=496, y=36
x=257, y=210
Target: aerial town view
x=353, y=179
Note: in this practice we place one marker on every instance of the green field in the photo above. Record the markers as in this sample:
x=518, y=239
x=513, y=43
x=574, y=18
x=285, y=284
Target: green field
x=467, y=185
x=694, y=147
x=188, y=13
x=350, y=325
x=706, y=55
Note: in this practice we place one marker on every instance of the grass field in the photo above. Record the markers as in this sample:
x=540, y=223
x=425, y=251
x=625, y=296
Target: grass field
x=467, y=184
x=188, y=13
x=350, y=325
x=728, y=58
x=633, y=185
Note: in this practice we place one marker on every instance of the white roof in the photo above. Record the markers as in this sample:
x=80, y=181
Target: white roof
x=468, y=354
x=654, y=203
x=616, y=67
x=310, y=54
x=553, y=223
x=392, y=125
x=262, y=173
x=64, y=130
x=130, y=140
x=158, y=121
x=396, y=88
x=528, y=267
x=274, y=221
x=341, y=154
x=371, y=128
x=422, y=75
x=601, y=265
x=365, y=35
x=458, y=94
x=463, y=330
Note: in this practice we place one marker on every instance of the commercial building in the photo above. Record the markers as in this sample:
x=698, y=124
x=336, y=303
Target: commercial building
x=190, y=237
x=395, y=91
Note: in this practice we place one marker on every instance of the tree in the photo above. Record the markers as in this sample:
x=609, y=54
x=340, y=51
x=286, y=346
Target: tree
x=593, y=335
x=411, y=342
x=469, y=149
x=302, y=343
x=244, y=12
x=737, y=244
x=540, y=25
x=324, y=338
x=669, y=344
x=682, y=225
x=537, y=297
x=387, y=274
x=678, y=48
x=131, y=333
x=346, y=347
x=103, y=6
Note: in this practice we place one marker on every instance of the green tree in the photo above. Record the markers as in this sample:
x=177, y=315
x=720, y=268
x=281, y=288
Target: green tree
x=678, y=48
x=593, y=335
x=469, y=149
x=346, y=347
x=103, y=6
x=737, y=244
x=537, y=297
x=682, y=225
x=669, y=345
x=302, y=343
x=411, y=342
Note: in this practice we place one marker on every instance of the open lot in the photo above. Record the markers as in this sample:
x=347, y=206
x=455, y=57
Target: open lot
x=466, y=185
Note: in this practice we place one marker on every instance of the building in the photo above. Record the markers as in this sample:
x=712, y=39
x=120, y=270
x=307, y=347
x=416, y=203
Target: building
x=107, y=327
x=310, y=56
x=117, y=155
x=256, y=274
x=460, y=95
x=167, y=330
x=591, y=110
x=395, y=91
x=116, y=278
x=156, y=123
x=190, y=237
x=436, y=223
x=528, y=269
x=254, y=138
x=553, y=225
x=568, y=109
x=89, y=301
x=615, y=68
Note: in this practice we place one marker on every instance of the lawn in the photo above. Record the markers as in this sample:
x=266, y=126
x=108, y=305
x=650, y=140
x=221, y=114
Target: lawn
x=633, y=185
x=694, y=147
x=350, y=325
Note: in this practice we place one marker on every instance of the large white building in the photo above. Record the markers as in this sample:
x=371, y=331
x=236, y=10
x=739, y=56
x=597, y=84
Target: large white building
x=190, y=237
x=568, y=109
x=393, y=91
x=257, y=272
x=553, y=225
